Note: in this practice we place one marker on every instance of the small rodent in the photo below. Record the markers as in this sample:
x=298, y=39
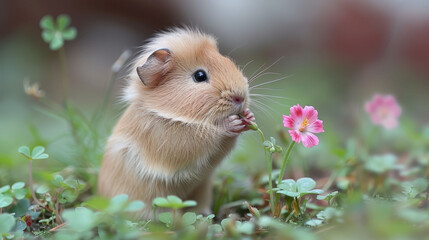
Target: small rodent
x=182, y=120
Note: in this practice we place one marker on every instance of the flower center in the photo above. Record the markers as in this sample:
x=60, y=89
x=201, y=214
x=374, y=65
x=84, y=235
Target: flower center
x=303, y=125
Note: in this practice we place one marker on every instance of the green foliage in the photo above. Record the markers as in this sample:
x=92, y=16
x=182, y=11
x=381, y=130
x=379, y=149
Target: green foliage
x=381, y=164
x=37, y=153
x=300, y=188
x=7, y=221
x=55, y=33
x=173, y=202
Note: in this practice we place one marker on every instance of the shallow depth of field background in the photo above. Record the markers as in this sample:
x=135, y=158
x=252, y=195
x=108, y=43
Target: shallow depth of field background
x=336, y=54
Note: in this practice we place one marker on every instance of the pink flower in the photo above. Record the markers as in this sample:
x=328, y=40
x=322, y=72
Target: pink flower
x=303, y=123
x=384, y=110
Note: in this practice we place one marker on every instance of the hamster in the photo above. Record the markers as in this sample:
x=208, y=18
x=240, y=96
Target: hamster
x=182, y=119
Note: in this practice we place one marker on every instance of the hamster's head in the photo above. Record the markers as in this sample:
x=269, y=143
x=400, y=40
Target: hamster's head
x=181, y=75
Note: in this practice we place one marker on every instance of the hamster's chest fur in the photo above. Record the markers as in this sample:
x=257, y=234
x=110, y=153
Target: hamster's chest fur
x=148, y=156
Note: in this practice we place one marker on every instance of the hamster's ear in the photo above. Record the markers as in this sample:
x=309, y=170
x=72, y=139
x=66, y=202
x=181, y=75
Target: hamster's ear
x=155, y=67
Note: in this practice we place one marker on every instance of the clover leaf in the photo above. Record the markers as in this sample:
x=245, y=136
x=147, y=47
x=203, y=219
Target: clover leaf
x=55, y=33
x=381, y=163
x=173, y=202
x=7, y=221
x=37, y=153
x=301, y=187
x=121, y=203
x=5, y=201
x=327, y=197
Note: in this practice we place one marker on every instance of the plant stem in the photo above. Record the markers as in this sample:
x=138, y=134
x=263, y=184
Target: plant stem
x=269, y=161
x=65, y=81
x=285, y=161
x=31, y=184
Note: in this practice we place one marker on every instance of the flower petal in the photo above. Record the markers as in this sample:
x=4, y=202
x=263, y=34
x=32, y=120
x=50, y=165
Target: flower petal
x=296, y=135
x=310, y=113
x=309, y=140
x=316, y=127
x=296, y=112
x=288, y=121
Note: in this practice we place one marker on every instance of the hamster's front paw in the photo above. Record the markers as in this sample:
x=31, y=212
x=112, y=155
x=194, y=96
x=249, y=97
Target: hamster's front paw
x=248, y=117
x=235, y=125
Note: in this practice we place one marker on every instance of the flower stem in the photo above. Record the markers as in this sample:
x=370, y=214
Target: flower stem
x=269, y=161
x=285, y=161
x=31, y=184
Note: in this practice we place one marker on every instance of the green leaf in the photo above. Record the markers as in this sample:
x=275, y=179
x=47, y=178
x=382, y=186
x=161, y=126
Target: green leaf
x=7, y=221
x=24, y=150
x=70, y=33
x=62, y=21
x=134, y=206
x=245, y=227
x=5, y=201
x=48, y=35
x=42, y=189
x=20, y=208
x=314, y=222
x=69, y=195
x=80, y=219
x=37, y=151
x=189, y=218
x=57, y=42
x=58, y=179
x=174, y=200
x=20, y=193
x=166, y=217
x=98, y=203
x=4, y=188
x=381, y=163
x=19, y=226
x=305, y=184
x=118, y=203
x=327, y=197
x=289, y=193
x=189, y=203
x=18, y=185
x=215, y=228
x=70, y=182
x=160, y=202
x=289, y=185
x=47, y=22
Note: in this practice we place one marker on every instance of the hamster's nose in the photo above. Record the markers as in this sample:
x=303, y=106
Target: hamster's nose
x=237, y=99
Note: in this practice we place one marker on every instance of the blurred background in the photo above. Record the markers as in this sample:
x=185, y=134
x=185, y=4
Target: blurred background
x=332, y=54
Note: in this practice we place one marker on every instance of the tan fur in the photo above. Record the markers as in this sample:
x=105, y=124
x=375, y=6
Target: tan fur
x=172, y=135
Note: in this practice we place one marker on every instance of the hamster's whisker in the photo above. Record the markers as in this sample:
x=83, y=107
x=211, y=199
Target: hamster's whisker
x=257, y=71
x=269, y=96
x=272, y=81
x=265, y=69
x=272, y=101
x=269, y=89
x=262, y=107
x=263, y=74
x=246, y=65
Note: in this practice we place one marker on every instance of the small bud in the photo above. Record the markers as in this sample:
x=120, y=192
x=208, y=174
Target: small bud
x=253, y=126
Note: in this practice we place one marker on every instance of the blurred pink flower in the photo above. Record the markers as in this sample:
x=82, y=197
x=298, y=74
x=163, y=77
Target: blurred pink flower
x=384, y=110
x=303, y=123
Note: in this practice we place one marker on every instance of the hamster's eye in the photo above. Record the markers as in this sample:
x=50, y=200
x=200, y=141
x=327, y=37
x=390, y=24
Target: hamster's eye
x=200, y=76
